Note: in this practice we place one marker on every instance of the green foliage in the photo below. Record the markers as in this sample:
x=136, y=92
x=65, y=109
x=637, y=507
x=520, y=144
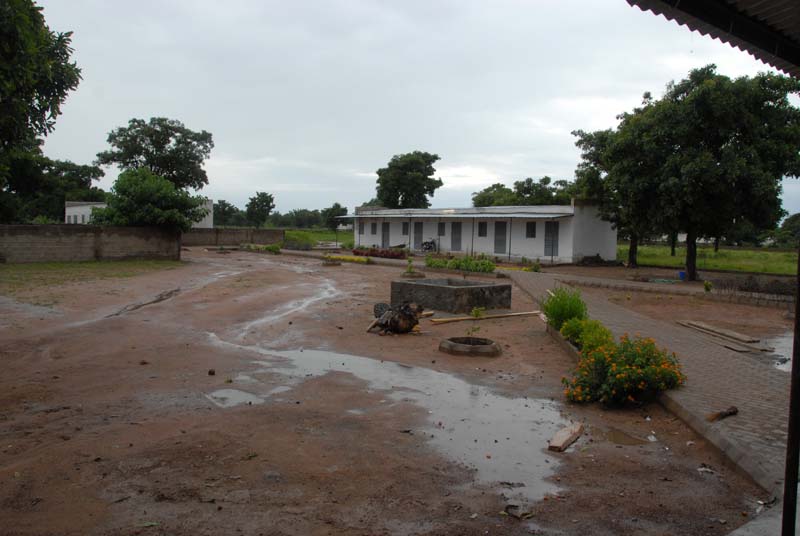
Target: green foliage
x=228, y=215
x=707, y=286
x=44, y=220
x=564, y=304
x=464, y=264
x=299, y=240
x=258, y=208
x=410, y=266
x=275, y=249
x=164, y=146
x=741, y=260
x=586, y=334
x=632, y=370
x=36, y=75
x=663, y=170
x=140, y=198
x=525, y=192
x=407, y=181
x=789, y=233
x=300, y=218
x=329, y=216
x=38, y=187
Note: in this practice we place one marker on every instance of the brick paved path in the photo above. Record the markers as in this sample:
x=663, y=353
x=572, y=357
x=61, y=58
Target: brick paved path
x=717, y=378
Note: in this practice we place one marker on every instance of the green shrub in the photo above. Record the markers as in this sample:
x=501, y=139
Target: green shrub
x=464, y=264
x=572, y=329
x=586, y=334
x=707, y=286
x=629, y=371
x=275, y=249
x=299, y=240
x=347, y=243
x=563, y=305
x=536, y=266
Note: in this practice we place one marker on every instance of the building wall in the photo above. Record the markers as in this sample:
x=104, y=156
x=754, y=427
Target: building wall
x=593, y=236
x=56, y=243
x=231, y=237
x=208, y=221
x=520, y=246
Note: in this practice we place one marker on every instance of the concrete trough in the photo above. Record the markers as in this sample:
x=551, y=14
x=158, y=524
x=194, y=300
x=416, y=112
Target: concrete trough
x=452, y=295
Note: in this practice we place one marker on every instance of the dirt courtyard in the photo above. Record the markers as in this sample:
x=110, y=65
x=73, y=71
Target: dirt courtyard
x=240, y=394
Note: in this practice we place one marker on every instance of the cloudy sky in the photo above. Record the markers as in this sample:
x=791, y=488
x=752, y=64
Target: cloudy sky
x=306, y=99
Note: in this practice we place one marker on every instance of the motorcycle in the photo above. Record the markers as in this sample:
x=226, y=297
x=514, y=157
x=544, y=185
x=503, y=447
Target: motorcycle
x=429, y=246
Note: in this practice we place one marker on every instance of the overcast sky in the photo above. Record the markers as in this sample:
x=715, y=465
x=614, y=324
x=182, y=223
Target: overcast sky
x=305, y=100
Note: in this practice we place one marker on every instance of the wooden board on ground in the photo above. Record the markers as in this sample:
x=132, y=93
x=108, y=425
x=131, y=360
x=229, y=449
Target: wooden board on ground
x=730, y=334
x=485, y=317
x=722, y=340
x=565, y=437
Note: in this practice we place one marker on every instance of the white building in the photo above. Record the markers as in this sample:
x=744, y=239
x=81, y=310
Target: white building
x=550, y=233
x=81, y=212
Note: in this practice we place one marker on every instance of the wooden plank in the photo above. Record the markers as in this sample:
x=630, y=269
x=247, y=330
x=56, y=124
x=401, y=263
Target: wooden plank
x=565, y=437
x=485, y=317
x=730, y=334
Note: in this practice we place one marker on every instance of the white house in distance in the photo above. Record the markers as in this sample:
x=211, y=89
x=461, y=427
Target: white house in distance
x=81, y=212
x=550, y=233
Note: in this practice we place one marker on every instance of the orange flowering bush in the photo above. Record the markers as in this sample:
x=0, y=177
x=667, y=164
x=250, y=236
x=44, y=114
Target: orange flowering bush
x=631, y=371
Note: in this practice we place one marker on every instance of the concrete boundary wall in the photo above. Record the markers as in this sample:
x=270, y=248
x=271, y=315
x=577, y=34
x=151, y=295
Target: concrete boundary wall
x=65, y=243
x=231, y=237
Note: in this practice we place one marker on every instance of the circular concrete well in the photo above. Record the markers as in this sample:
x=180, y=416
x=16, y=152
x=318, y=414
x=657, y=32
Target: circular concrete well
x=476, y=346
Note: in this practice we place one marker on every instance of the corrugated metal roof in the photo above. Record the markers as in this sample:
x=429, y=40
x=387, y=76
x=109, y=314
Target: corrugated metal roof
x=766, y=29
x=535, y=211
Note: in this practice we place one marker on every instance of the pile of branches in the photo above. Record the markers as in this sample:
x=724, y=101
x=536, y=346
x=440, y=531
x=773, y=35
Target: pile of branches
x=397, y=319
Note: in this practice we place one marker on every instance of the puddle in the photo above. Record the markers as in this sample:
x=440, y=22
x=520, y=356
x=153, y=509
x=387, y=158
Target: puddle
x=783, y=350
x=502, y=439
x=228, y=398
x=619, y=437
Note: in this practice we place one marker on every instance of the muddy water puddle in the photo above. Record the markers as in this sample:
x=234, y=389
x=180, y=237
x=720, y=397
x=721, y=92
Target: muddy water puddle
x=504, y=440
x=783, y=350
x=618, y=437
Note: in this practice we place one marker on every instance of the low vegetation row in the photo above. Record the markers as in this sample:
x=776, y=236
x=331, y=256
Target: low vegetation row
x=740, y=260
x=480, y=263
x=613, y=373
x=386, y=253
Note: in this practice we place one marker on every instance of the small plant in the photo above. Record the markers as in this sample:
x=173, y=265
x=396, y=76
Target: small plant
x=563, y=305
x=275, y=249
x=626, y=372
x=410, y=267
x=476, y=313
x=349, y=258
x=708, y=285
x=465, y=264
x=536, y=266
x=586, y=334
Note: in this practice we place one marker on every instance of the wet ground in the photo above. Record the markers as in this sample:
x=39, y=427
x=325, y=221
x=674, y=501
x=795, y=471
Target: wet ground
x=240, y=394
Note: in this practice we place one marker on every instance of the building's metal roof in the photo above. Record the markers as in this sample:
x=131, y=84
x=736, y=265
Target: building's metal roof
x=766, y=29
x=536, y=211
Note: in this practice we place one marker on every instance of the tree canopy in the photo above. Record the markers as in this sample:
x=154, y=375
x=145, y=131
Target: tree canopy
x=329, y=216
x=35, y=75
x=226, y=214
x=545, y=191
x=407, y=181
x=142, y=198
x=164, y=146
x=710, y=153
x=258, y=208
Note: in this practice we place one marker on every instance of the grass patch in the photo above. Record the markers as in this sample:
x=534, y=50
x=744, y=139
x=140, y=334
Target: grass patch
x=739, y=260
x=19, y=278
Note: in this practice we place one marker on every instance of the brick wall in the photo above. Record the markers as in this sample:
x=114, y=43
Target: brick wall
x=52, y=243
x=231, y=237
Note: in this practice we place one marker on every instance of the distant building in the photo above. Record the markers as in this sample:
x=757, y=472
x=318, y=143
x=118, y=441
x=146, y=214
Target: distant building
x=80, y=212
x=551, y=233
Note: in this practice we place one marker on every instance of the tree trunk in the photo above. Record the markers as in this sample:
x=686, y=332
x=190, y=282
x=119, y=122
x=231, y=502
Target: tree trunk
x=633, y=251
x=673, y=242
x=716, y=244
x=691, y=256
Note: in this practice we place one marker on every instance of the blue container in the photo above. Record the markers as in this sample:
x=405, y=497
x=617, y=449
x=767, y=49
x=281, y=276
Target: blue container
x=682, y=276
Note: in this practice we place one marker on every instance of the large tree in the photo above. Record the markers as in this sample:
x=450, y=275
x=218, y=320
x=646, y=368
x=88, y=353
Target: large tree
x=407, y=181
x=164, y=146
x=730, y=142
x=331, y=214
x=226, y=214
x=141, y=198
x=258, y=208
x=35, y=76
x=496, y=195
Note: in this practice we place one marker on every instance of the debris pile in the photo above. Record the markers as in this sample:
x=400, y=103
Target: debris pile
x=398, y=319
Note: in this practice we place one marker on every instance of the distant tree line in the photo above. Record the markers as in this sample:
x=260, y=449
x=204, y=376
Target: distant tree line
x=259, y=213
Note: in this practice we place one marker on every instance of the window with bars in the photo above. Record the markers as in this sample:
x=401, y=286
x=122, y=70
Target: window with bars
x=530, y=229
x=441, y=228
x=373, y=228
x=405, y=228
x=361, y=227
x=482, y=228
